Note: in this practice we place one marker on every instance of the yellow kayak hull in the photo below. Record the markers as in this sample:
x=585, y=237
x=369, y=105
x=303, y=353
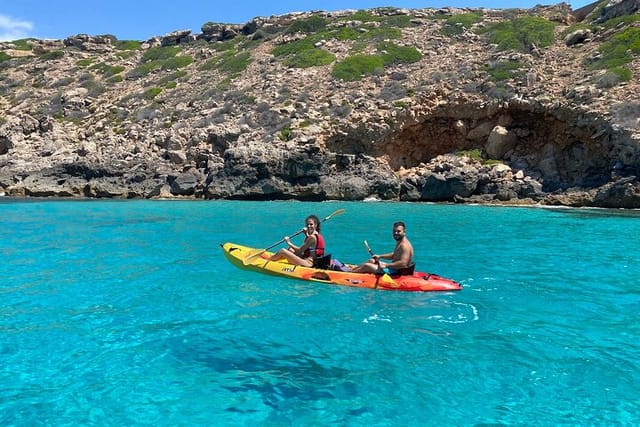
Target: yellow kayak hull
x=253, y=259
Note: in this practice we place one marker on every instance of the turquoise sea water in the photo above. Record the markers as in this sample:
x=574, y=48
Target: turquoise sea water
x=126, y=313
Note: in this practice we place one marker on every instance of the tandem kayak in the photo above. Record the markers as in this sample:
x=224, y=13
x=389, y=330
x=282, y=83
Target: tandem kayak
x=254, y=259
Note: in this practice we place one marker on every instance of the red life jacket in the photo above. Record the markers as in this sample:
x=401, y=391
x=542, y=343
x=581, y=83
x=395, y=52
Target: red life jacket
x=319, y=249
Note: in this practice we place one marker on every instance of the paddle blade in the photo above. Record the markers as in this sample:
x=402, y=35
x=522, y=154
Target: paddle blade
x=336, y=213
x=366, y=245
x=388, y=281
x=252, y=255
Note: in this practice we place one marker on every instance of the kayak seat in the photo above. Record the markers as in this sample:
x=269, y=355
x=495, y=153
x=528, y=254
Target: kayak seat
x=410, y=270
x=337, y=265
x=322, y=262
x=407, y=271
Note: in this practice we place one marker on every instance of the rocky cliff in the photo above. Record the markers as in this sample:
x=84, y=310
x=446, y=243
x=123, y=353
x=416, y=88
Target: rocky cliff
x=510, y=106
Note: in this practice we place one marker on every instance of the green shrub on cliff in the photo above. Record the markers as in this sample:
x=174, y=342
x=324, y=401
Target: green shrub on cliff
x=362, y=16
x=23, y=44
x=233, y=58
x=171, y=77
x=152, y=92
x=224, y=46
x=456, y=24
x=94, y=88
x=387, y=20
x=228, y=62
x=4, y=57
x=234, y=63
x=115, y=79
x=312, y=24
x=142, y=70
x=127, y=44
x=622, y=20
x=106, y=69
x=176, y=62
x=160, y=58
x=394, y=54
x=476, y=154
x=84, y=62
x=292, y=48
x=160, y=53
x=51, y=55
x=354, y=67
x=397, y=21
x=613, y=77
x=618, y=50
x=381, y=34
x=285, y=133
x=522, y=33
x=303, y=53
x=473, y=154
x=346, y=33
x=504, y=70
x=310, y=58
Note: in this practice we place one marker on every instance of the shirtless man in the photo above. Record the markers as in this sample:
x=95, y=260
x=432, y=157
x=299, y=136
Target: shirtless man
x=401, y=257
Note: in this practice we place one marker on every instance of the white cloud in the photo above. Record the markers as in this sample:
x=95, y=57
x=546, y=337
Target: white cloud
x=13, y=29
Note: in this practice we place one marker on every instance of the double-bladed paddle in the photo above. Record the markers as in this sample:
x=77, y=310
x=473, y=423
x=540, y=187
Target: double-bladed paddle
x=257, y=252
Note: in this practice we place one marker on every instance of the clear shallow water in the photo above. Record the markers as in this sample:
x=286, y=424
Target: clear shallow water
x=126, y=313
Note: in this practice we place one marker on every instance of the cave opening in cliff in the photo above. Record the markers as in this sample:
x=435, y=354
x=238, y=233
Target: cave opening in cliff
x=563, y=149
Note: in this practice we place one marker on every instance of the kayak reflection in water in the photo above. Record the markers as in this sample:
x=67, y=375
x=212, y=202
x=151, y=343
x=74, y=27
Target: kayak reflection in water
x=312, y=247
x=401, y=257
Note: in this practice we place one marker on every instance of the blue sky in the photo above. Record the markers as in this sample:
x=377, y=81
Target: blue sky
x=142, y=19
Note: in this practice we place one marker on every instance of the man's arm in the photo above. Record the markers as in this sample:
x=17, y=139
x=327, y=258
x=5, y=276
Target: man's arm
x=385, y=256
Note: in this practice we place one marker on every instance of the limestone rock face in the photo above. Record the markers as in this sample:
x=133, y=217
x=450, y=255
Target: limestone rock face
x=100, y=44
x=576, y=37
x=617, y=8
x=500, y=141
x=249, y=111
